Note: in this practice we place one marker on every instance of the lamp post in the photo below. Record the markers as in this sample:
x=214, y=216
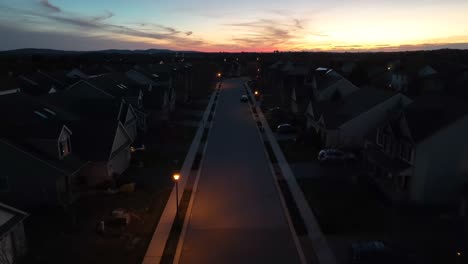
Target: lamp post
x=176, y=177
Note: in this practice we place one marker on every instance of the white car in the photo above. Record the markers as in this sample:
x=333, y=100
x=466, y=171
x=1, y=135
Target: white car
x=244, y=98
x=334, y=155
x=285, y=129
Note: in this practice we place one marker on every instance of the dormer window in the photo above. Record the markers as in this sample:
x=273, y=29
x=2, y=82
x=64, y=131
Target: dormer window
x=64, y=147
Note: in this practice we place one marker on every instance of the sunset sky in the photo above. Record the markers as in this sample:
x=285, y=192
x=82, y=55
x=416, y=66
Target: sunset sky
x=239, y=25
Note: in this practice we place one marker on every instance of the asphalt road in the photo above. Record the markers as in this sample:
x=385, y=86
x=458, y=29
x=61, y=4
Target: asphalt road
x=237, y=216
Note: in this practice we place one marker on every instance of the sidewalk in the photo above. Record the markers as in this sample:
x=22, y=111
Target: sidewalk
x=156, y=247
x=318, y=240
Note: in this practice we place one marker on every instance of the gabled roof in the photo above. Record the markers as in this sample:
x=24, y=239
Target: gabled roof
x=27, y=118
x=83, y=108
x=428, y=114
x=39, y=83
x=8, y=82
x=116, y=84
x=141, y=78
x=9, y=217
x=336, y=113
x=84, y=89
x=326, y=77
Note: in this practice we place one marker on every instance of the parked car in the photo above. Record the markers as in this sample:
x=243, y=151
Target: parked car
x=244, y=98
x=285, y=129
x=334, y=155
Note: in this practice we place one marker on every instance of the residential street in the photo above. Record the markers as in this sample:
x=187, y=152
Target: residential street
x=237, y=215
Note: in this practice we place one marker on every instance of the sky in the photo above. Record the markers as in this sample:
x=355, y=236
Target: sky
x=236, y=25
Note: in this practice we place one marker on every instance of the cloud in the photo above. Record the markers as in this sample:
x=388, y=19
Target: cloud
x=298, y=23
x=107, y=15
x=49, y=6
x=273, y=33
x=99, y=26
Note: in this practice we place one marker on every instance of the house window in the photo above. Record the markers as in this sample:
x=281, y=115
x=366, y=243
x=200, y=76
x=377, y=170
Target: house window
x=380, y=137
x=3, y=183
x=406, y=151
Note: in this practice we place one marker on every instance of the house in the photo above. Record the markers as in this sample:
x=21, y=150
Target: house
x=156, y=99
x=8, y=84
x=183, y=81
x=12, y=237
x=101, y=130
x=327, y=83
x=419, y=155
x=37, y=157
x=163, y=74
x=85, y=72
x=345, y=121
x=39, y=82
x=87, y=90
x=120, y=87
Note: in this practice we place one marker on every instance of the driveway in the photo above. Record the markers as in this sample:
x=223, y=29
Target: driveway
x=237, y=215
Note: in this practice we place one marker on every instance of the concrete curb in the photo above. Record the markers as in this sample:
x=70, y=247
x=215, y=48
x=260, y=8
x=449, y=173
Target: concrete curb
x=156, y=247
x=319, y=242
x=188, y=213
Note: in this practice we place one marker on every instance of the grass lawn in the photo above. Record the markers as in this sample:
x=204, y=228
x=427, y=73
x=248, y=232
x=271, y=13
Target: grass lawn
x=297, y=152
x=343, y=208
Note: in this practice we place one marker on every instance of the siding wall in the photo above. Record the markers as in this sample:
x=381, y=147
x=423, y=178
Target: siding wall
x=440, y=168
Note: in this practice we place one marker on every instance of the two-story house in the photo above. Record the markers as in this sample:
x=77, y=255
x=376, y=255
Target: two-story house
x=156, y=99
x=420, y=155
x=345, y=121
x=37, y=157
x=100, y=135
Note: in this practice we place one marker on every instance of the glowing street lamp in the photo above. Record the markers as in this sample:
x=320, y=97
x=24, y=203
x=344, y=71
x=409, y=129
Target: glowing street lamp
x=256, y=92
x=219, y=75
x=176, y=177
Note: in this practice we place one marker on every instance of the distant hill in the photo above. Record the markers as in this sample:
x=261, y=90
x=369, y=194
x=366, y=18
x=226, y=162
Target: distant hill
x=109, y=51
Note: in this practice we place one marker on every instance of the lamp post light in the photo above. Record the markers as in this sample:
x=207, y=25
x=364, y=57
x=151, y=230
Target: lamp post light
x=176, y=177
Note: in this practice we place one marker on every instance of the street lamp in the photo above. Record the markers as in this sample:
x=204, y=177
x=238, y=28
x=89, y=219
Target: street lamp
x=176, y=177
x=256, y=92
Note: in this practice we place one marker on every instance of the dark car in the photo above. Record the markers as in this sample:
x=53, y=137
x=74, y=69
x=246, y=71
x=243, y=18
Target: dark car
x=244, y=98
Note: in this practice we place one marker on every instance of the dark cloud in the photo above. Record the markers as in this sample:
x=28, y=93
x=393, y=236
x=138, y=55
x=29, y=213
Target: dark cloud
x=107, y=15
x=298, y=24
x=49, y=6
x=98, y=24
x=188, y=33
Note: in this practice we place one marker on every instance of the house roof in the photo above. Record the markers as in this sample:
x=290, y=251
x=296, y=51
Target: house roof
x=28, y=118
x=116, y=84
x=9, y=217
x=8, y=82
x=326, y=77
x=68, y=165
x=72, y=108
x=336, y=113
x=428, y=114
x=141, y=78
